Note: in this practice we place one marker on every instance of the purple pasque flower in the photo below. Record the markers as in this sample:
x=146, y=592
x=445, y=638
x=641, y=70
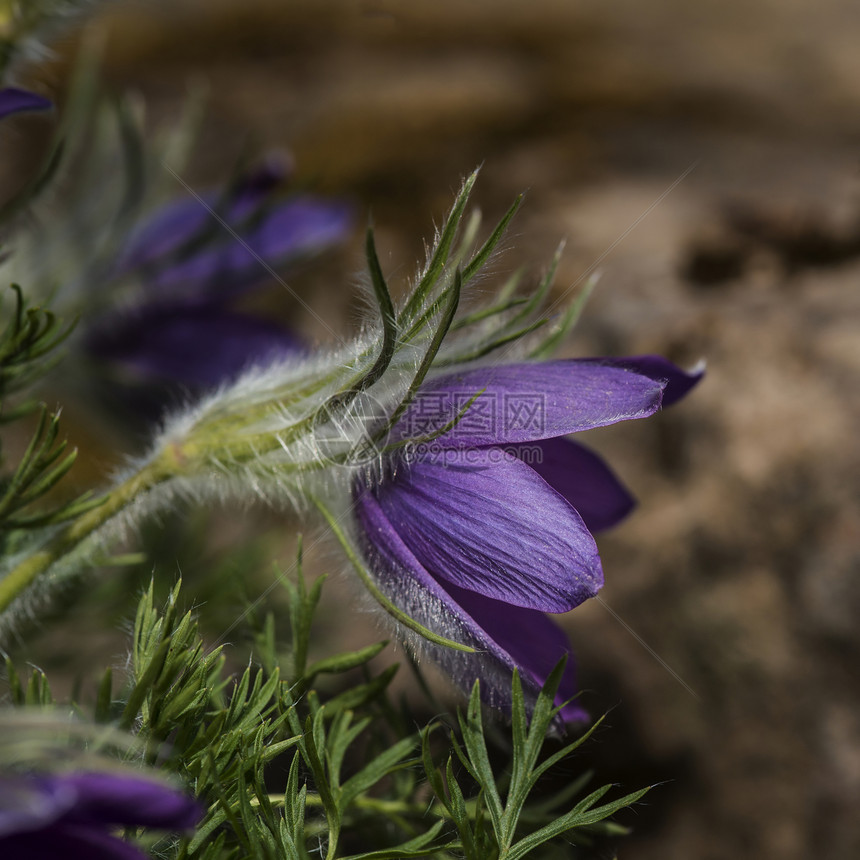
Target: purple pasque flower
x=15, y=100
x=213, y=247
x=189, y=263
x=151, y=354
x=482, y=529
x=72, y=816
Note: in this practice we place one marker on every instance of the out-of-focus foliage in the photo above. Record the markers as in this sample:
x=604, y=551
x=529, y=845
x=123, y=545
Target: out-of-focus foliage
x=291, y=757
x=28, y=349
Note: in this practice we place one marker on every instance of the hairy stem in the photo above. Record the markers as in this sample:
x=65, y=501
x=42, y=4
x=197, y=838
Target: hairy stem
x=73, y=536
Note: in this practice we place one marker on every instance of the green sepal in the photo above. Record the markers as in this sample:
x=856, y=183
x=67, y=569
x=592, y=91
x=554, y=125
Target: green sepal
x=480, y=258
x=547, y=347
x=386, y=314
x=436, y=265
x=377, y=594
x=451, y=302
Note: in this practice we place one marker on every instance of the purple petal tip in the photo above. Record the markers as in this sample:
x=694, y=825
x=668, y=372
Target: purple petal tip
x=16, y=100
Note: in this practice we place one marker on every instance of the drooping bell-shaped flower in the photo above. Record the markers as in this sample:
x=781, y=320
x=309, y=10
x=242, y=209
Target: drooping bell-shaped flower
x=189, y=263
x=478, y=533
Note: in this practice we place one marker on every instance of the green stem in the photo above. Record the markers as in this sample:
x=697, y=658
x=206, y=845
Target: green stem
x=376, y=592
x=372, y=804
x=73, y=536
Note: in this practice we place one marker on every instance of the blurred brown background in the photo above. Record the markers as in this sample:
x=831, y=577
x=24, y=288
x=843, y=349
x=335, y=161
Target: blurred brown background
x=740, y=568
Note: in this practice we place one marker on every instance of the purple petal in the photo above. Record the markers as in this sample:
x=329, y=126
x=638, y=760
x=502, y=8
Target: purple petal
x=177, y=223
x=195, y=346
x=228, y=265
x=582, y=478
x=485, y=521
x=68, y=843
x=435, y=606
x=526, y=402
x=167, y=230
x=15, y=100
x=677, y=381
x=534, y=643
x=31, y=804
x=130, y=801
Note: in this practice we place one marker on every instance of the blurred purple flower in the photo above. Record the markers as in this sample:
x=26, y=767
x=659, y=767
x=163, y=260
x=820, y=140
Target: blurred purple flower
x=489, y=526
x=195, y=257
x=72, y=816
x=14, y=100
x=215, y=247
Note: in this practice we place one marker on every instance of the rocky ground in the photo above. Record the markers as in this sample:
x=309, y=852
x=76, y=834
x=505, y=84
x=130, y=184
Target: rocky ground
x=706, y=159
